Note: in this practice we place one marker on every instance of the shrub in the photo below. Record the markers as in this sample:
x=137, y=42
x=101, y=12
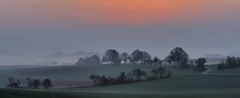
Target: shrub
x=131, y=77
x=47, y=83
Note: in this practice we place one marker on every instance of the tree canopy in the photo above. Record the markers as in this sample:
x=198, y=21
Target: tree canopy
x=112, y=56
x=201, y=64
x=179, y=56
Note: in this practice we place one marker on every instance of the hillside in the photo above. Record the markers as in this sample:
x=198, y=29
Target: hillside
x=75, y=76
x=67, y=81
x=192, y=86
x=67, y=76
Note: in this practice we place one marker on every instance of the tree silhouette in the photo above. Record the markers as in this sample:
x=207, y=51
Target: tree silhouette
x=92, y=60
x=137, y=56
x=94, y=78
x=29, y=82
x=122, y=78
x=200, y=64
x=104, y=60
x=159, y=72
x=13, y=83
x=103, y=80
x=179, y=56
x=112, y=56
x=47, y=83
x=157, y=61
x=11, y=80
x=36, y=83
x=125, y=57
x=230, y=62
x=147, y=57
x=138, y=73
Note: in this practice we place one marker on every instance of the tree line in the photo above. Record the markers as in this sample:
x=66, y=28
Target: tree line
x=177, y=56
x=112, y=56
x=230, y=62
x=200, y=65
x=136, y=75
x=31, y=83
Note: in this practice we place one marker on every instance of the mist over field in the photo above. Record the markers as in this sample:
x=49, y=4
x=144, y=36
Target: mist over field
x=119, y=49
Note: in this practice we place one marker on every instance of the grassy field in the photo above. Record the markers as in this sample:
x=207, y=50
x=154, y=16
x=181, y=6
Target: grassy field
x=66, y=76
x=193, y=86
x=72, y=76
x=184, y=84
x=232, y=71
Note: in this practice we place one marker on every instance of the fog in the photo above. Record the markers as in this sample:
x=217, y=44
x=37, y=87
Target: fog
x=28, y=33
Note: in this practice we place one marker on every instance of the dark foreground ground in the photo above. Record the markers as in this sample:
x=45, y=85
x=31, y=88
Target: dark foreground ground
x=33, y=94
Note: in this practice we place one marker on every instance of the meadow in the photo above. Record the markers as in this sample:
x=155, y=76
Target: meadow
x=74, y=76
x=183, y=84
x=67, y=76
x=195, y=86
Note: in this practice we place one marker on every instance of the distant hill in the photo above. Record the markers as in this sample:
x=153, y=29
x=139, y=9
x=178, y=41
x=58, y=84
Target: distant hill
x=62, y=58
x=214, y=58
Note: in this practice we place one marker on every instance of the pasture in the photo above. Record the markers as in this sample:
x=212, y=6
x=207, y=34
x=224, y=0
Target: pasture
x=193, y=86
x=74, y=76
x=68, y=81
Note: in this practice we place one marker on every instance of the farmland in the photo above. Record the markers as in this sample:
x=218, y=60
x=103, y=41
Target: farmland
x=200, y=86
x=184, y=84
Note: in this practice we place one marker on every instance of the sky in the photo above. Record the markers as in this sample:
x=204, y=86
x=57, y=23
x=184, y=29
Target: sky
x=31, y=30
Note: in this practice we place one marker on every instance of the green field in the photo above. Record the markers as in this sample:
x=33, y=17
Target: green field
x=194, y=86
x=72, y=76
x=233, y=71
x=184, y=84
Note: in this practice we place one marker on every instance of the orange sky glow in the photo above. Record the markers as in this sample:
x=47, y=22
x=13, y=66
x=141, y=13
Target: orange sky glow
x=117, y=11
